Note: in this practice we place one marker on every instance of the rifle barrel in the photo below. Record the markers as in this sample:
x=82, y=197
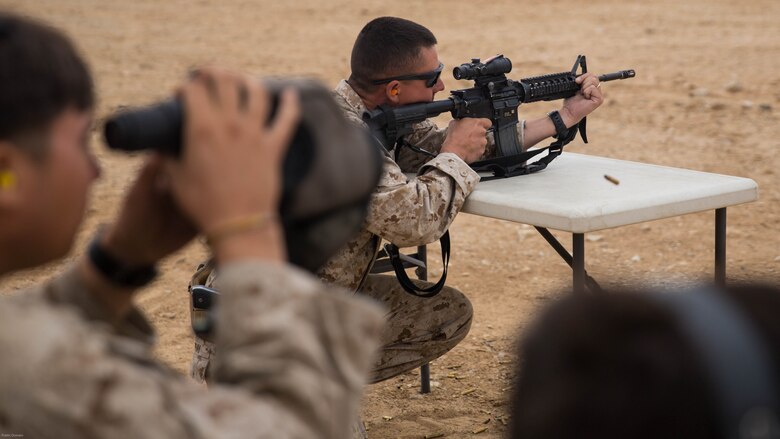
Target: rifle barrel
x=623, y=74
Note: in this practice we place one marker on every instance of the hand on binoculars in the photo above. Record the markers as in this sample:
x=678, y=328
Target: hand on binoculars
x=230, y=167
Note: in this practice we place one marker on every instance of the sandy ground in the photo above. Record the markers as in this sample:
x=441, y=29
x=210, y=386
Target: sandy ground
x=706, y=97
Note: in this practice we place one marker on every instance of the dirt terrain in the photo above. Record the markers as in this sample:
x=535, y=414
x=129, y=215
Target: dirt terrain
x=706, y=97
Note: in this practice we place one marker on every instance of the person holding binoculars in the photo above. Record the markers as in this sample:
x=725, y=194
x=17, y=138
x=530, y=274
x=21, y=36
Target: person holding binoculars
x=76, y=351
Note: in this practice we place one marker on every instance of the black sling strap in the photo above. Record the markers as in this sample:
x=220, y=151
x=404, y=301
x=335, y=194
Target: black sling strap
x=514, y=165
x=407, y=284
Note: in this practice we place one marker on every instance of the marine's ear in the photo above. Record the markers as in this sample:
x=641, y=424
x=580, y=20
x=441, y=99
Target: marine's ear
x=10, y=157
x=7, y=179
x=392, y=92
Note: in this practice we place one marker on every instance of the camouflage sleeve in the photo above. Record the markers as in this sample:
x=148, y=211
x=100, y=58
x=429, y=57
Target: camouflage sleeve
x=427, y=136
x=67, y=289
x=419, y=211
x=309, y=350
x=293, y=359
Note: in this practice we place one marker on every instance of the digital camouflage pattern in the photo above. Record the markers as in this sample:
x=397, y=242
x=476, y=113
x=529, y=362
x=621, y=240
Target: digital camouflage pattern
x=419, y=330
x=292, y=364
x=406, y=212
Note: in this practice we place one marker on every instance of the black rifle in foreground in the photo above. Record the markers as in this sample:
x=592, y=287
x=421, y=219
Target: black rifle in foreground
x=494, y=97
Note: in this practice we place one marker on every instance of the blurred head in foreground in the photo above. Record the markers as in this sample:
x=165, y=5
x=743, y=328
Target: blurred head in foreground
x=46, y=169
x=633, y=364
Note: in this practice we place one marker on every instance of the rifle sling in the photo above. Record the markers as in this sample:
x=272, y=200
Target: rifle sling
x=406, y=283
x=511, y=166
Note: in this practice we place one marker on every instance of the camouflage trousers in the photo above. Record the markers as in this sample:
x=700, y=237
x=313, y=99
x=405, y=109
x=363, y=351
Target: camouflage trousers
x=417, y=331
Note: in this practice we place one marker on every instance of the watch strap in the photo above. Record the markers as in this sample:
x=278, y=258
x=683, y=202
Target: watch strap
x=560, y=128
x=115, y=271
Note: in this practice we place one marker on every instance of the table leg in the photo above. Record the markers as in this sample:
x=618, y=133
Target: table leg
x=425, y=378
x=578, y=262
x=422, y=274
x=591, y=283
x=720, y=246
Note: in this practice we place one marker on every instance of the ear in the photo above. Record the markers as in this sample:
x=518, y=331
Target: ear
x=393, y=92
x=10, y=170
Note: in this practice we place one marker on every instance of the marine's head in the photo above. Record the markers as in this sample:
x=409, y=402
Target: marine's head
x=395, y=62
x=46, y=103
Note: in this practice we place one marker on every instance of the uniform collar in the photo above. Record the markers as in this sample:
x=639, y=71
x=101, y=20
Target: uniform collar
x=350, y=96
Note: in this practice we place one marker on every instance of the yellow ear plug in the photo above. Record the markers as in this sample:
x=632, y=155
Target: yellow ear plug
x=7, y=180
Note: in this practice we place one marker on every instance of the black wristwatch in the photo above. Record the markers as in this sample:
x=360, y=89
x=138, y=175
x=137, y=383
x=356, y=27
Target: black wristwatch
x=115, y=271
x=560, y=128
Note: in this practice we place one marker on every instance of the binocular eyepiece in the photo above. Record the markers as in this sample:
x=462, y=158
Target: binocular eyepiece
x=498, y=65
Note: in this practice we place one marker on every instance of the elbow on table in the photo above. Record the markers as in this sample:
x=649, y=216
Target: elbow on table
x=421, y=234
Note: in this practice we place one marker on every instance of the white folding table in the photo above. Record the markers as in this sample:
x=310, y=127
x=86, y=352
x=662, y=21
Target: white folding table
x=573, y=195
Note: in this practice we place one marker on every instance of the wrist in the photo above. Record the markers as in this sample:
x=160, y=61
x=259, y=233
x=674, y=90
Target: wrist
x=114, y=268
x=239, y=224
x=217, y=217
x=569, y=118
x=561, y=130
x=264, y=243
x=119, y=248
x=115, y=301
x=446, y=149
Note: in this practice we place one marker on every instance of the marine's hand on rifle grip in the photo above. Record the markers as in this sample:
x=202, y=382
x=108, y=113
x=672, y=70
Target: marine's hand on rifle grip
x=467, y=138
x=583, y=103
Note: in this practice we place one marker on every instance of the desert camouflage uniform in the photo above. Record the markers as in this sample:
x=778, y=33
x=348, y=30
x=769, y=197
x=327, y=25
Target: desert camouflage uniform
x=406, y=212
x=292, y=364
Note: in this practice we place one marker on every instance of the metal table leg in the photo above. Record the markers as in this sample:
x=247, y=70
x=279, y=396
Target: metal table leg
x=425, y=378
x=720, y=246
x=578, y=262
x=591, y=283
x=422, y=274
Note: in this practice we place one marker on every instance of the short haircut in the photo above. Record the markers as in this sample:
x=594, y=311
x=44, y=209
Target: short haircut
x=617, y=365
x=387, y=46
x=41, y=75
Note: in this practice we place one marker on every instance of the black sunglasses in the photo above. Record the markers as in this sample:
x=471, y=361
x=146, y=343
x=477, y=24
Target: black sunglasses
x=430, y=78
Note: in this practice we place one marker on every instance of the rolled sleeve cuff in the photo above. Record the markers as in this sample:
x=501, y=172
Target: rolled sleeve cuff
x=455, y=167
